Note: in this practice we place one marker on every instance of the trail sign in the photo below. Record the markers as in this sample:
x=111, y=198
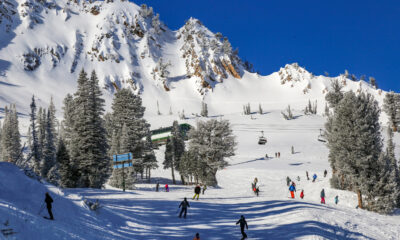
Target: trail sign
x=122, y=161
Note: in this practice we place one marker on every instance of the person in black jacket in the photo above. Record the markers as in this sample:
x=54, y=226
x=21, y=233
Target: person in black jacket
x=197, y=191
x=243, y=223
x=184, y=204
x=48, y=201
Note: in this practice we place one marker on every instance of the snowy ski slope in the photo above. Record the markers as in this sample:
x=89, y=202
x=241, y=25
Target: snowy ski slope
x=146, y=214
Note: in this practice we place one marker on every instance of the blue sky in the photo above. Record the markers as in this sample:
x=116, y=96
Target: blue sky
x=360, y=36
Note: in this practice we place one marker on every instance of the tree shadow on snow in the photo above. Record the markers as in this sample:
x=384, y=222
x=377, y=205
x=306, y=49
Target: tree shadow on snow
x=158, y=219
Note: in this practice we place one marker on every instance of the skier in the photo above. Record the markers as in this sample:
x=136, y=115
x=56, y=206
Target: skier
x=184, y=204
x=325, y=172
x=336, y=199
x=302, y=194
x=314, y=177
x=197, y=191
x=157, y=186
x=288, y=180
x=204, y=188
x=48, y=201
x=307, y=176
x=279, y=154
x=276, y=155
x=298, y=178
x=243, y=223
x=166, y=187
x=257, y=191
x=292, y=189
x=323, y=196
x=197, y=237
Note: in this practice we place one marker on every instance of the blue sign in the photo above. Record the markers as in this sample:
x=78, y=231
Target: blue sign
x=122, y=157
x=122, y=160
x=123, y=165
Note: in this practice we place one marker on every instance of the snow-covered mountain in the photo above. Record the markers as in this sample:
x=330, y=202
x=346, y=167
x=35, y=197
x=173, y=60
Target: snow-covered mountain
x=44, y=44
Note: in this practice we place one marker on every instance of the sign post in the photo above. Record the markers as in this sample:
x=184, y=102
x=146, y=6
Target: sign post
x=122, y=161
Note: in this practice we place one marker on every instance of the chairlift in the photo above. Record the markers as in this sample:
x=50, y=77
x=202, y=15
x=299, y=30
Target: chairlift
x=321, y=136
x=262, y=140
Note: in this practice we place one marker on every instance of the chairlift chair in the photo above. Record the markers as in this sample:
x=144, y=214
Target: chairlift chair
x=321, y=136
x=262, y=140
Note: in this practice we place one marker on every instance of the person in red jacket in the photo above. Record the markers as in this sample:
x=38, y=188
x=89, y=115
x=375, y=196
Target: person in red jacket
x=302, y=194
x=166, y=188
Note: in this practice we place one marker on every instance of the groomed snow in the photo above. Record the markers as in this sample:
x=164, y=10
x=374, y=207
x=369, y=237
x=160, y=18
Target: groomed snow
x=146, y=214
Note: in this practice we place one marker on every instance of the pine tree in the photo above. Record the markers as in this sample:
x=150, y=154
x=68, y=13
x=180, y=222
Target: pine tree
x=10, y=137
x=34, y=145
x=49, y=149
x=390, y=107
x=204, y=110
x=354, y=143
x=68, y=121
x=63, y=160
x=334, y=96
x=41, y=120
x=89, y=141
x=174, y=149
x=212, y=142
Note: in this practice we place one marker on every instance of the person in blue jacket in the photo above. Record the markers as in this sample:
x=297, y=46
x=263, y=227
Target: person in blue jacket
x=292, y=189
x=314, y=177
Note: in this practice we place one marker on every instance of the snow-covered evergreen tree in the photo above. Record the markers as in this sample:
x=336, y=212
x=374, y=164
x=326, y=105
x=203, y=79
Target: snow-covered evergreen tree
x=41, y=120
x=212, y=141
x=49, y=150
x=354, y=142
x=33, y=143
x=334, y=96
x=288, y=114
x=67, y=178
x=204, y=109
x=174, y=149
x=89, y=143
x=391, y=107
x=10, y=137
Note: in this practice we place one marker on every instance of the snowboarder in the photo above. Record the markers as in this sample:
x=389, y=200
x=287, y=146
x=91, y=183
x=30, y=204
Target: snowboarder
x=204, y=188
x=302, y=194
x=48, y=201
x=184, y=204
x=307, y=176
x=336, y=199
x=323, y=196
x=292, y=189
x=314, y=177
x=243, y=223
x=166, y=187
x=288, y=180
x=197, y=191
x=325, y=172
x=157, y=186
x=197, y=237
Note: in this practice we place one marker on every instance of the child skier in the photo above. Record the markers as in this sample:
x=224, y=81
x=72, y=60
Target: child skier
x=302, y=194
x=292, y=189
